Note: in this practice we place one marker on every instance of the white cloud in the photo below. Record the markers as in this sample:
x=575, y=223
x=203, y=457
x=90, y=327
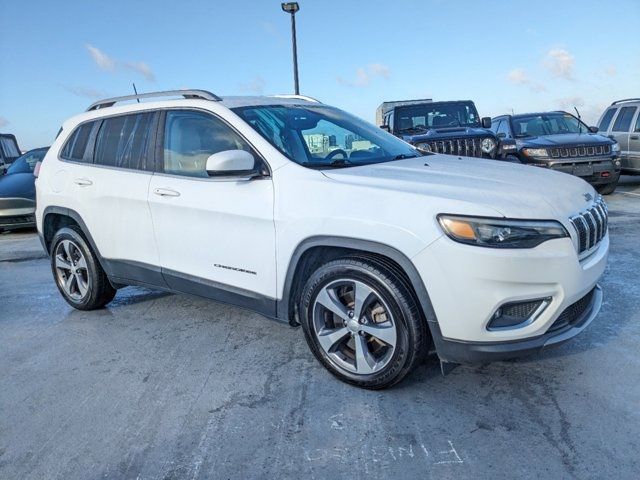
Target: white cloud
x=560, y=63
x=364, y=75
x=3, y=122
x=380, y=70
x=104, y=61
x=141, y=68
x=87, y=92
x=518, y=76
x=255, y=85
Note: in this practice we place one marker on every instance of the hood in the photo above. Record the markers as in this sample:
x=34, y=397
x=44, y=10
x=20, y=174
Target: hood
x=447, y=133
x=511, y=190
x=565, y=140
x=20, y=185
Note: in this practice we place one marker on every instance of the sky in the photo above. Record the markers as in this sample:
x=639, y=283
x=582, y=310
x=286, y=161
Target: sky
x=57, y=57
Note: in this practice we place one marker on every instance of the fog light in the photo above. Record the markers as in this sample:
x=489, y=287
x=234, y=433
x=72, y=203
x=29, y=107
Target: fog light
x=517, y=314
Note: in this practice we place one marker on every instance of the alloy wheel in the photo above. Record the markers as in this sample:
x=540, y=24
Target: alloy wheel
x=71, y=270
x=354, y=326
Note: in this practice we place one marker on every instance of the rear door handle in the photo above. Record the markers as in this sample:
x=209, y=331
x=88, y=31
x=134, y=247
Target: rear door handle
x=83, y=182
x=634, y=137
x=166, y=192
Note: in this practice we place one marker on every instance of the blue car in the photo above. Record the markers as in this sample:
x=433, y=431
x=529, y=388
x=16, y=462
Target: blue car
x=18, y=191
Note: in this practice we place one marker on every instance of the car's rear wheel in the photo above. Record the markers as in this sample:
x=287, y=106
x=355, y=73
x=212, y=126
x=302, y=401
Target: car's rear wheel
x=362, y=323
x=78, y=273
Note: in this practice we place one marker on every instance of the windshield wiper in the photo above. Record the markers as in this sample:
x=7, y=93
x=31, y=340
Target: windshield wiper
x=404, y=156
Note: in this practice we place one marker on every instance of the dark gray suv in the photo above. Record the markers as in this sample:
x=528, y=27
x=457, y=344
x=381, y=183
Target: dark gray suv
x=621, y=122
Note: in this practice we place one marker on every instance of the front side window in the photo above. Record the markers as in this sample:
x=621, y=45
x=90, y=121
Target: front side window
x=623, y=120
x=416, y=118
x=191, y=137
x=606, y=120
x=547, y=124
x=503, y=129
x=320, y=136
x=125, y=142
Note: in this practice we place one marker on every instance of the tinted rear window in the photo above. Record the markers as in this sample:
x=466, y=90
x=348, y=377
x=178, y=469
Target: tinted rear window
x=623, y=120
x=606, y=120
x=76, y=146
x=125, y=142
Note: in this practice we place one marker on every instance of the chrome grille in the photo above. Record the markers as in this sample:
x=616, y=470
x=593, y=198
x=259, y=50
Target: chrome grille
x=570, y=152
x=591, y=225
x=466, y=147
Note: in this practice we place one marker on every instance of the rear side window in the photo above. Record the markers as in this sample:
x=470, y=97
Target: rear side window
x=125, y=142
x=191, y=137
x=606, y=120
x=623, y=120
x=76, y=146
x=9, y=147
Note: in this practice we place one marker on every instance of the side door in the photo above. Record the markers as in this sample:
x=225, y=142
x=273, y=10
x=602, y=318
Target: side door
x=215, y=235
x=633, y=161
x=620, y=132
x=111, y=188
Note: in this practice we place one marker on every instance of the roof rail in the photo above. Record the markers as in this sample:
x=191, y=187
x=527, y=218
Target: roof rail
x=300, y=97
x=626, y=100
x=200, y=94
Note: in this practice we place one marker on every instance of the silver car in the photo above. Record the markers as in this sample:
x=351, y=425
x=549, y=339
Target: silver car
x=621, y=122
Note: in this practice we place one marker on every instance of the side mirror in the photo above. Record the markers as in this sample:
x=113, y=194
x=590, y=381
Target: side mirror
x=593, y=129
x=486, y=122
x=232, y=163
x=385, y=128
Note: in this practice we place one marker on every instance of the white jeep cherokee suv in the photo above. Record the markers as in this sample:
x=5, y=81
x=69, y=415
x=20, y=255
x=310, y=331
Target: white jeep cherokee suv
x=304, y=213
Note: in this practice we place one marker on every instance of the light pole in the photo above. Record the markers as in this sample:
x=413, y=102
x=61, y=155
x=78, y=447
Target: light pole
x=292, y=8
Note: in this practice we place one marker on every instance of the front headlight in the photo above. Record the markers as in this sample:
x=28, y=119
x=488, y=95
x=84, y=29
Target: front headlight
x=488, y=145
x=615, y=148
x=535, y=152
x=425, y=147
x=500, y=233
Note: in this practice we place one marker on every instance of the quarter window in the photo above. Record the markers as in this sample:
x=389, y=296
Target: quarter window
x=192, y=137
x=623, y=120
x=606, y=120
x=76, y=146
x=125, y=142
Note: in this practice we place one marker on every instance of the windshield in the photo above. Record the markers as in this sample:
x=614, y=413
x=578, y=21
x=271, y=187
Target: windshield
x=416, y=118
x=27, y=162
x=324, y=137
x=547, y=124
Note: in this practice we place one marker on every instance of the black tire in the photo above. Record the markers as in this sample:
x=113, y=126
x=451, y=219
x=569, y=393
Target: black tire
x=412, y=338
x=99, y=290
x=609, y=188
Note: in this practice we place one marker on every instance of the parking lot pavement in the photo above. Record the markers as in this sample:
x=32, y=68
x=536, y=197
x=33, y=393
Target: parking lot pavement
x=171, y=386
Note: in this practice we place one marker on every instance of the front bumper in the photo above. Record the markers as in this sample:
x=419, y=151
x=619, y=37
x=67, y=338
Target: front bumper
x=467, y=285
x=453, y=351
x=17, y=213
x=599, y=171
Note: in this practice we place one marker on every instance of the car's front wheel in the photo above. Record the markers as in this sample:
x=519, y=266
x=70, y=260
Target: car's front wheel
x=78, y=273
x=607, y=189
x=362, y=323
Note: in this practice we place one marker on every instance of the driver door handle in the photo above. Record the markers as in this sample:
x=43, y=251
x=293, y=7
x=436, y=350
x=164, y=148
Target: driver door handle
x=166, y=192
x=83, y=182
